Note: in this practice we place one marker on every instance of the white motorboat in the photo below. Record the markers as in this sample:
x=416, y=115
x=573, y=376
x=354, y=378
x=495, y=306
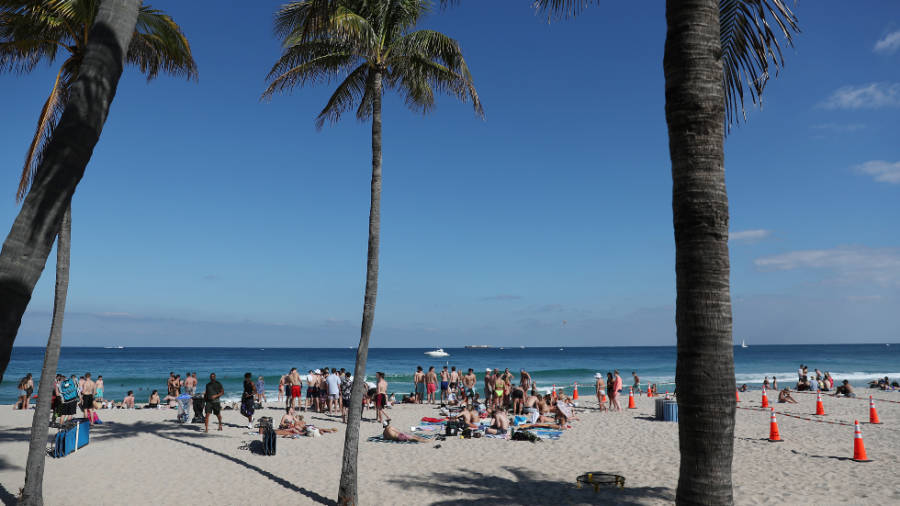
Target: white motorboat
x=437, y=353
x=743, y=344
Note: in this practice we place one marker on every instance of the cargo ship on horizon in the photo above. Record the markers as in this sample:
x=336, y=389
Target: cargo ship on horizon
x=478, y=346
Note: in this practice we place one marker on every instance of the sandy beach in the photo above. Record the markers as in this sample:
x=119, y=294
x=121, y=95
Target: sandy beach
x=144, y=457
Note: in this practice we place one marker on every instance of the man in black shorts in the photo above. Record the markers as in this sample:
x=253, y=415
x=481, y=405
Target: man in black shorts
x=518, y=400
x=214, y=390
x=87, y=398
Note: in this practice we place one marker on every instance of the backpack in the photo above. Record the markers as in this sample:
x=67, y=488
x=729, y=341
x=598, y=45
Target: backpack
x=69, y=390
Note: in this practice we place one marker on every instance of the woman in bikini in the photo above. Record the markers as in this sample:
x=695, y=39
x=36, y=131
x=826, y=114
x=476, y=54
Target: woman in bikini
x=499, y=386
x=281, y=389
x=153, y=400
x=609, y=388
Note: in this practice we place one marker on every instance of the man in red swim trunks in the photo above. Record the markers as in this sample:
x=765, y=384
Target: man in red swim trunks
x=294, y=383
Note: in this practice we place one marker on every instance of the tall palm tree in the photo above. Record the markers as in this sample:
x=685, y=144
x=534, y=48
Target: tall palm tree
x=711, y=46
x=373, y=43
x=34, y=31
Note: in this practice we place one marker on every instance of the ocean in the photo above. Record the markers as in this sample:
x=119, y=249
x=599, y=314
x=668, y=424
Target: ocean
x=145, y=369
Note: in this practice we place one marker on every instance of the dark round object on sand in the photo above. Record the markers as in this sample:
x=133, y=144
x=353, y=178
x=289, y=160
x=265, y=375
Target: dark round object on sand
x=598, y=479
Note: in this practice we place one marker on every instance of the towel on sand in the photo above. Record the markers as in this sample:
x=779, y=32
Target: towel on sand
x=380, y=439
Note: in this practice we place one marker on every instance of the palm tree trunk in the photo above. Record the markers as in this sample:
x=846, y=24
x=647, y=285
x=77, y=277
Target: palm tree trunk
x=348, y=494
x=704, y=372
x=28, y=244
x=33, y=495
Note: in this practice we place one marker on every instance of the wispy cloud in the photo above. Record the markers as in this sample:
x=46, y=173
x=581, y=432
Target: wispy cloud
x=749, y=236
x=872, y=96
x=546, y=308
x=838, y=128
x=889, y=44
x=882, y=171
x=849, y=264
x=503, y=297
x=211, y=277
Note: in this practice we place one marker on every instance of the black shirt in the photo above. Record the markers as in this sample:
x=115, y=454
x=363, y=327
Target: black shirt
x=213, y=388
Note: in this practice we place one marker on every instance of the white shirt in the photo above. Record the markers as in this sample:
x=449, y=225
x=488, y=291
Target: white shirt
x=334, y=384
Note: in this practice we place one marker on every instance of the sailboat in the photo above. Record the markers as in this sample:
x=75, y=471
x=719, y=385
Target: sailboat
x=743, y=344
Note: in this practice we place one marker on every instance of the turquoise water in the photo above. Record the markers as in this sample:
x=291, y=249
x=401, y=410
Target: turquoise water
x=144, y=369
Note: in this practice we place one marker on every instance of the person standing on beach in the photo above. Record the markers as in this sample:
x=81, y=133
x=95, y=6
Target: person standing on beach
x=445, y=384
x=637, y=382
x=346, y=390
x=281, y=388
x=499, y=388
x=381, y=399
x=455, y=379
x=524, y=380
x=261, y=390
x=617, y=387
x=431, y=384
x=601, y=388
x=98, y=385
x=213, y=392
x=190, y=384
x=293, y=386
x=170, y=383
x=468, y=382
x=774, y=383
x=248, y=399
x=87, y=397
x=488, y=386
x=419, y=382
x=334, y=393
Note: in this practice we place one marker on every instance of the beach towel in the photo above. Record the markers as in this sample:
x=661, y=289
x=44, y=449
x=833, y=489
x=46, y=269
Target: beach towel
x=380, y=439
x=433, y=420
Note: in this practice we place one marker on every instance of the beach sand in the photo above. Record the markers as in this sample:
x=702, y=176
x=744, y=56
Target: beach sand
x=144, y=457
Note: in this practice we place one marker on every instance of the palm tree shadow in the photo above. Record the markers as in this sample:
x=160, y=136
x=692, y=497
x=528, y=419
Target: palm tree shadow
x=525, y=487
x=7, y=498
x=277, y=479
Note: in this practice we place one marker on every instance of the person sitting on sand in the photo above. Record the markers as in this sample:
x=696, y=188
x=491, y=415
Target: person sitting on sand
x=530, y=405
x=153, y=401
x=392, y=434
x=785, y=396
x=469, y=416
x=499, y=424
x=653, y=392
x=802, y=385
x=743, y=388
x=846, y=390
x=128, y=402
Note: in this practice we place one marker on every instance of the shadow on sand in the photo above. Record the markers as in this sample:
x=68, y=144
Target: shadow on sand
x=527, y=487
x=266, y=474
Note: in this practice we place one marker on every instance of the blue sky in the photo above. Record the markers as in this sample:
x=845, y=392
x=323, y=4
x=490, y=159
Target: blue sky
x=209, y=218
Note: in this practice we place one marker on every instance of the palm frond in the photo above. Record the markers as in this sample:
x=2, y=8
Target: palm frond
x=307, y=70
x=417, y=78
x=747, y=43
x=561, y=9
x=159, y=45
x=347, y=95
x=47, y=120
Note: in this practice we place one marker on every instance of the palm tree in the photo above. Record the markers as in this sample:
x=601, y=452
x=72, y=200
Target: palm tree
x=373, y=43
x=711, y=45
x=33, y=31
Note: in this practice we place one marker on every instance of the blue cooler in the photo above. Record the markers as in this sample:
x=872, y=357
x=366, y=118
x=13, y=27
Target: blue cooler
x=670, y=411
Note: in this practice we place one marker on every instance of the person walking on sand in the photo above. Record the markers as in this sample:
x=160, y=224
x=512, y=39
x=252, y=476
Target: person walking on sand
x=617, y=387
x=294, y=383
x=381, y=399
x=445, y=384
x=248, y=399
x=214, y=391
x=261, y=390
x=419, y=382
x=601, y=388
x=431, y=384
x=637, y=382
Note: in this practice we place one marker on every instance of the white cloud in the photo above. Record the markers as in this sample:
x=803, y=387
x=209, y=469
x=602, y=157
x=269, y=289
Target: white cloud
x=850, y=264
x=749, y=236
x=883, y=171
x=504, y=296
x=889, y=44
x=872, y=96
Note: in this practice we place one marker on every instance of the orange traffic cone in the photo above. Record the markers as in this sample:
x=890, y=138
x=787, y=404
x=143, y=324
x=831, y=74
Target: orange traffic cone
x=774, y=437
x=765, y=400
x=553, y=394
x=631, y=398
x=820, y=409
x=873, y=415
x=667, y=395
x=575, y=394
x=859, y=449
x=604, y=397
x=648, y=389
x=737, y=395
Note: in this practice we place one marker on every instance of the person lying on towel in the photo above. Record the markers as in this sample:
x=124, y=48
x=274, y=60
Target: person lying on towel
x=392, y=434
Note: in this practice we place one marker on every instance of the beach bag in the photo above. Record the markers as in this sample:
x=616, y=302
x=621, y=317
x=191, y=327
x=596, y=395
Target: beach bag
x=269, y=440
x=69, y=390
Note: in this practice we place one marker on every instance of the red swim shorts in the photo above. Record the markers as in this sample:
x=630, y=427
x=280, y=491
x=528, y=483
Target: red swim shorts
x=295, y=390
x=431, y=388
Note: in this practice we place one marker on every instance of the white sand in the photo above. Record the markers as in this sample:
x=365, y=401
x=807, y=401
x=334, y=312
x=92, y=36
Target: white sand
x=144, y=457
